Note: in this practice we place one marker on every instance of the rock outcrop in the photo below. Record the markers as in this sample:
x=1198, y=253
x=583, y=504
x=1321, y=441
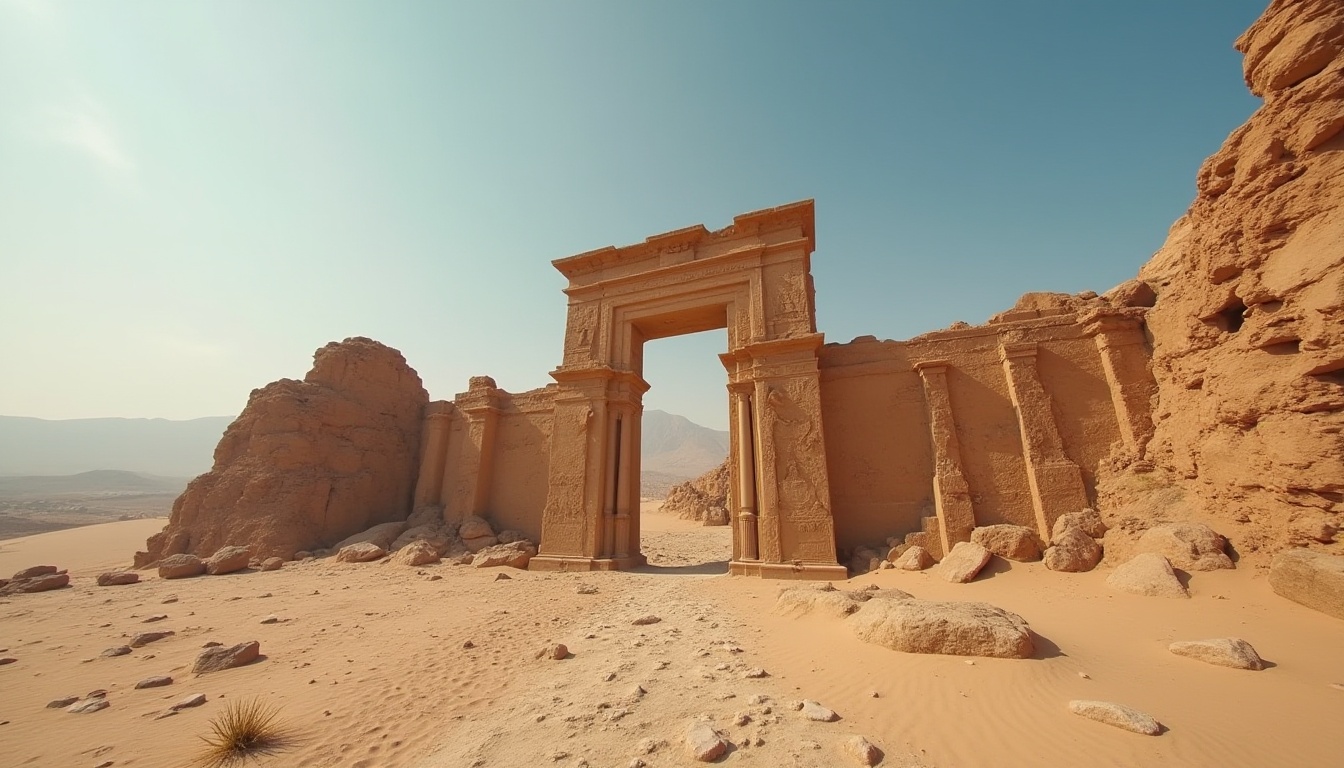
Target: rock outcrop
x=309, y=462
x=1313, y=579
x=1248, y=323
x=704, y=498
x=958, y=629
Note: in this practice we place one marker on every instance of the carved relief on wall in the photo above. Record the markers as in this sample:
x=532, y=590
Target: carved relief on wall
x=796, y=450
x=581, y=334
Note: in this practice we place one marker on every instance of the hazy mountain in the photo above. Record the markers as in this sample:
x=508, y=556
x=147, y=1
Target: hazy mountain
x=101, y=481
x=31, y=446
x=675, y=445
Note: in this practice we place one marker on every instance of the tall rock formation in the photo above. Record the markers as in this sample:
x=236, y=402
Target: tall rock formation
x=699, y=498
x=309, y=462
x=1248, y=326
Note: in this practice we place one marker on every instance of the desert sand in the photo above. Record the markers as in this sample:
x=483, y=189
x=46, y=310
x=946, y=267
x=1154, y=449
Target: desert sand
x=384, y=665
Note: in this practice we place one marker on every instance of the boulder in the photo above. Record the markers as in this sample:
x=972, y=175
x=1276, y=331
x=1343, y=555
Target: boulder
x=952, y=628
x=35, y=571
x=1087, y=521
x=91, y=704
x=1148, y=574
x=915, y=558
x=436, y=536
x=309, y=462
x=180, y=567
x=963, y=562
x=416, y=553
x=865, y=559
x=363, y=552
x=42, y=583
x=479, y=543
x=1313, y=579
x=227, y=560
x=272, y=564
x=157, y=681
x=145, y=638
x=1117, y=715
x=1014, y=542
x=817, y=713
x=508, y=537
x=429, y=514
x=554, y=651
x=801, y=601
x=221, y=658
x=516, y=555
x=704, y=743
x=1073, y=552
x=862, y=751
x=381, y=536
x=1189, y=546
x=194, y=700
x=474, y=527
x=117, y=578
x=716, y=515
x=1223, y=651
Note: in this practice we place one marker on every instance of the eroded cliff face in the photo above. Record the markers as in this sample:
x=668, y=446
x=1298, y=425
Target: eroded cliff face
x=1248, y=326
x=309, y=462
x=699, y=498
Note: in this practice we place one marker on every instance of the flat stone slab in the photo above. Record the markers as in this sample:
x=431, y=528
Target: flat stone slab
x=1313, y=579
x=964, y=561
x=952, y=628
x=1117, y=715
x=816, y=712
x=704, y=743
x=1014, y=542
x=1223, y=651
x=221, y=658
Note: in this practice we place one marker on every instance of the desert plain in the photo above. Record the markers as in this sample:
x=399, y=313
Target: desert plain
x=380, y=664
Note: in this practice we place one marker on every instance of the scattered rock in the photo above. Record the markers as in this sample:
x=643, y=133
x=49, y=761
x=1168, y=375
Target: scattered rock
x=800, y=601
x=1148, y=574
x=646, y=620
x=953, y=628
x=704, y=743
x=271, y=620
x=180, y=567
x=62, y=703
x=1014, y=542
x=1313, y=579
x=1087, y=521
x=117, y=578
x=157, y=681
x=814, y=711
x=272, y=564
x=502, y=577
x=227, y=560
x=154, y=618
x=476, y=545
x=516, y=554
x=915, y=558
x=120, y=650
x=862, y=750
x=1189, y=546
x=217, y=659
x=194, y=700
x=1073, y=552
x=361, y=552
x=40, y=583
x=35, y=571
x=586, y=589
x=145, y=638
x=85, y=706
x=1117, y=715
x=555, y=651
x=1223, y=651
x=963, y=562
x=755, y=673
x=473, y=527
x=381, y=536
x=417, y=553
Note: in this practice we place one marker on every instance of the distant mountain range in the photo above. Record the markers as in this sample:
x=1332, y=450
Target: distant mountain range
x=673, y=448
x=97, y=482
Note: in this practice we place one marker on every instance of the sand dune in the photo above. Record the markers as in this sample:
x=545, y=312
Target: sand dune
x=370, y=665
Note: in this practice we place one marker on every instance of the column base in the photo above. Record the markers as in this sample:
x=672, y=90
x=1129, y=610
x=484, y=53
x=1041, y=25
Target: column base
x=803, y=571
x=559, y=563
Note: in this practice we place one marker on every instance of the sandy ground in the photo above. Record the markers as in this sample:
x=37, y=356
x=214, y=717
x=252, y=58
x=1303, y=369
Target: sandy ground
x=370, y=666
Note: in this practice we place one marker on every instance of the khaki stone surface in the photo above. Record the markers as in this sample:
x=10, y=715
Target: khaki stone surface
x=915, y=558
x=362, y=552
x=1223, y=651
x=964, y=561
x=1314, y=579
x=227, y=560
x=1117, y=715
x=180, y=567
x=1189, y=546
x=1148, y=574
x=1073, y=552
x=1014, y=542
x=952, y=628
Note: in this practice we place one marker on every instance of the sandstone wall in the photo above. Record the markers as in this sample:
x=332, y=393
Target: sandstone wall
x=487, y=454
x=307, y=463
x=1248, y=328
x=1009, y=421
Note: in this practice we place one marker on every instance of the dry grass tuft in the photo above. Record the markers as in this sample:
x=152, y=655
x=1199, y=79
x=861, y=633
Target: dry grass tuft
x=244, y=730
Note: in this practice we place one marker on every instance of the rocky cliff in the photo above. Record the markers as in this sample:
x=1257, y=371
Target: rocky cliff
x=705, y=497
x=309, y=462
x=1248, y=326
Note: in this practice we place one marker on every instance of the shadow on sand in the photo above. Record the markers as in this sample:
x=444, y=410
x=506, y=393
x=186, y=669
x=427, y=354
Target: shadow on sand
x=705, y=569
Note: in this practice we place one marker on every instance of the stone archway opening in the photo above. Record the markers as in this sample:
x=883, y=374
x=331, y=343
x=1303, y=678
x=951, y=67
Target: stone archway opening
x=684, y=447
x=754, y=280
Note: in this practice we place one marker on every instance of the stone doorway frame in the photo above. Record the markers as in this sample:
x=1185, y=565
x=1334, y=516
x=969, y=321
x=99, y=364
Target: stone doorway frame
x=752, y=278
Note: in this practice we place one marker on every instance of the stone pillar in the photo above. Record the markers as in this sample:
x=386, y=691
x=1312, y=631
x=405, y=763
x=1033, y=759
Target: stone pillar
x=746, y=477
x=611, y=466
x=624, y=469
x=1056, y=482
x=480, y=405
x=1124, y=361
x=434, y=456
x=951, y=492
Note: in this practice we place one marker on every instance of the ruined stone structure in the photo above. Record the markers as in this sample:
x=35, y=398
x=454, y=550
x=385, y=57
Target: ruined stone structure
x=831, y=445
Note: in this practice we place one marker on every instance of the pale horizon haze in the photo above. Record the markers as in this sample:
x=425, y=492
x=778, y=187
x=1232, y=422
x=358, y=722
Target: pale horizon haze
x=194, y=196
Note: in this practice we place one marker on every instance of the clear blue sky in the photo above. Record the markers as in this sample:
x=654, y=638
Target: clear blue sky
x=196, y=195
